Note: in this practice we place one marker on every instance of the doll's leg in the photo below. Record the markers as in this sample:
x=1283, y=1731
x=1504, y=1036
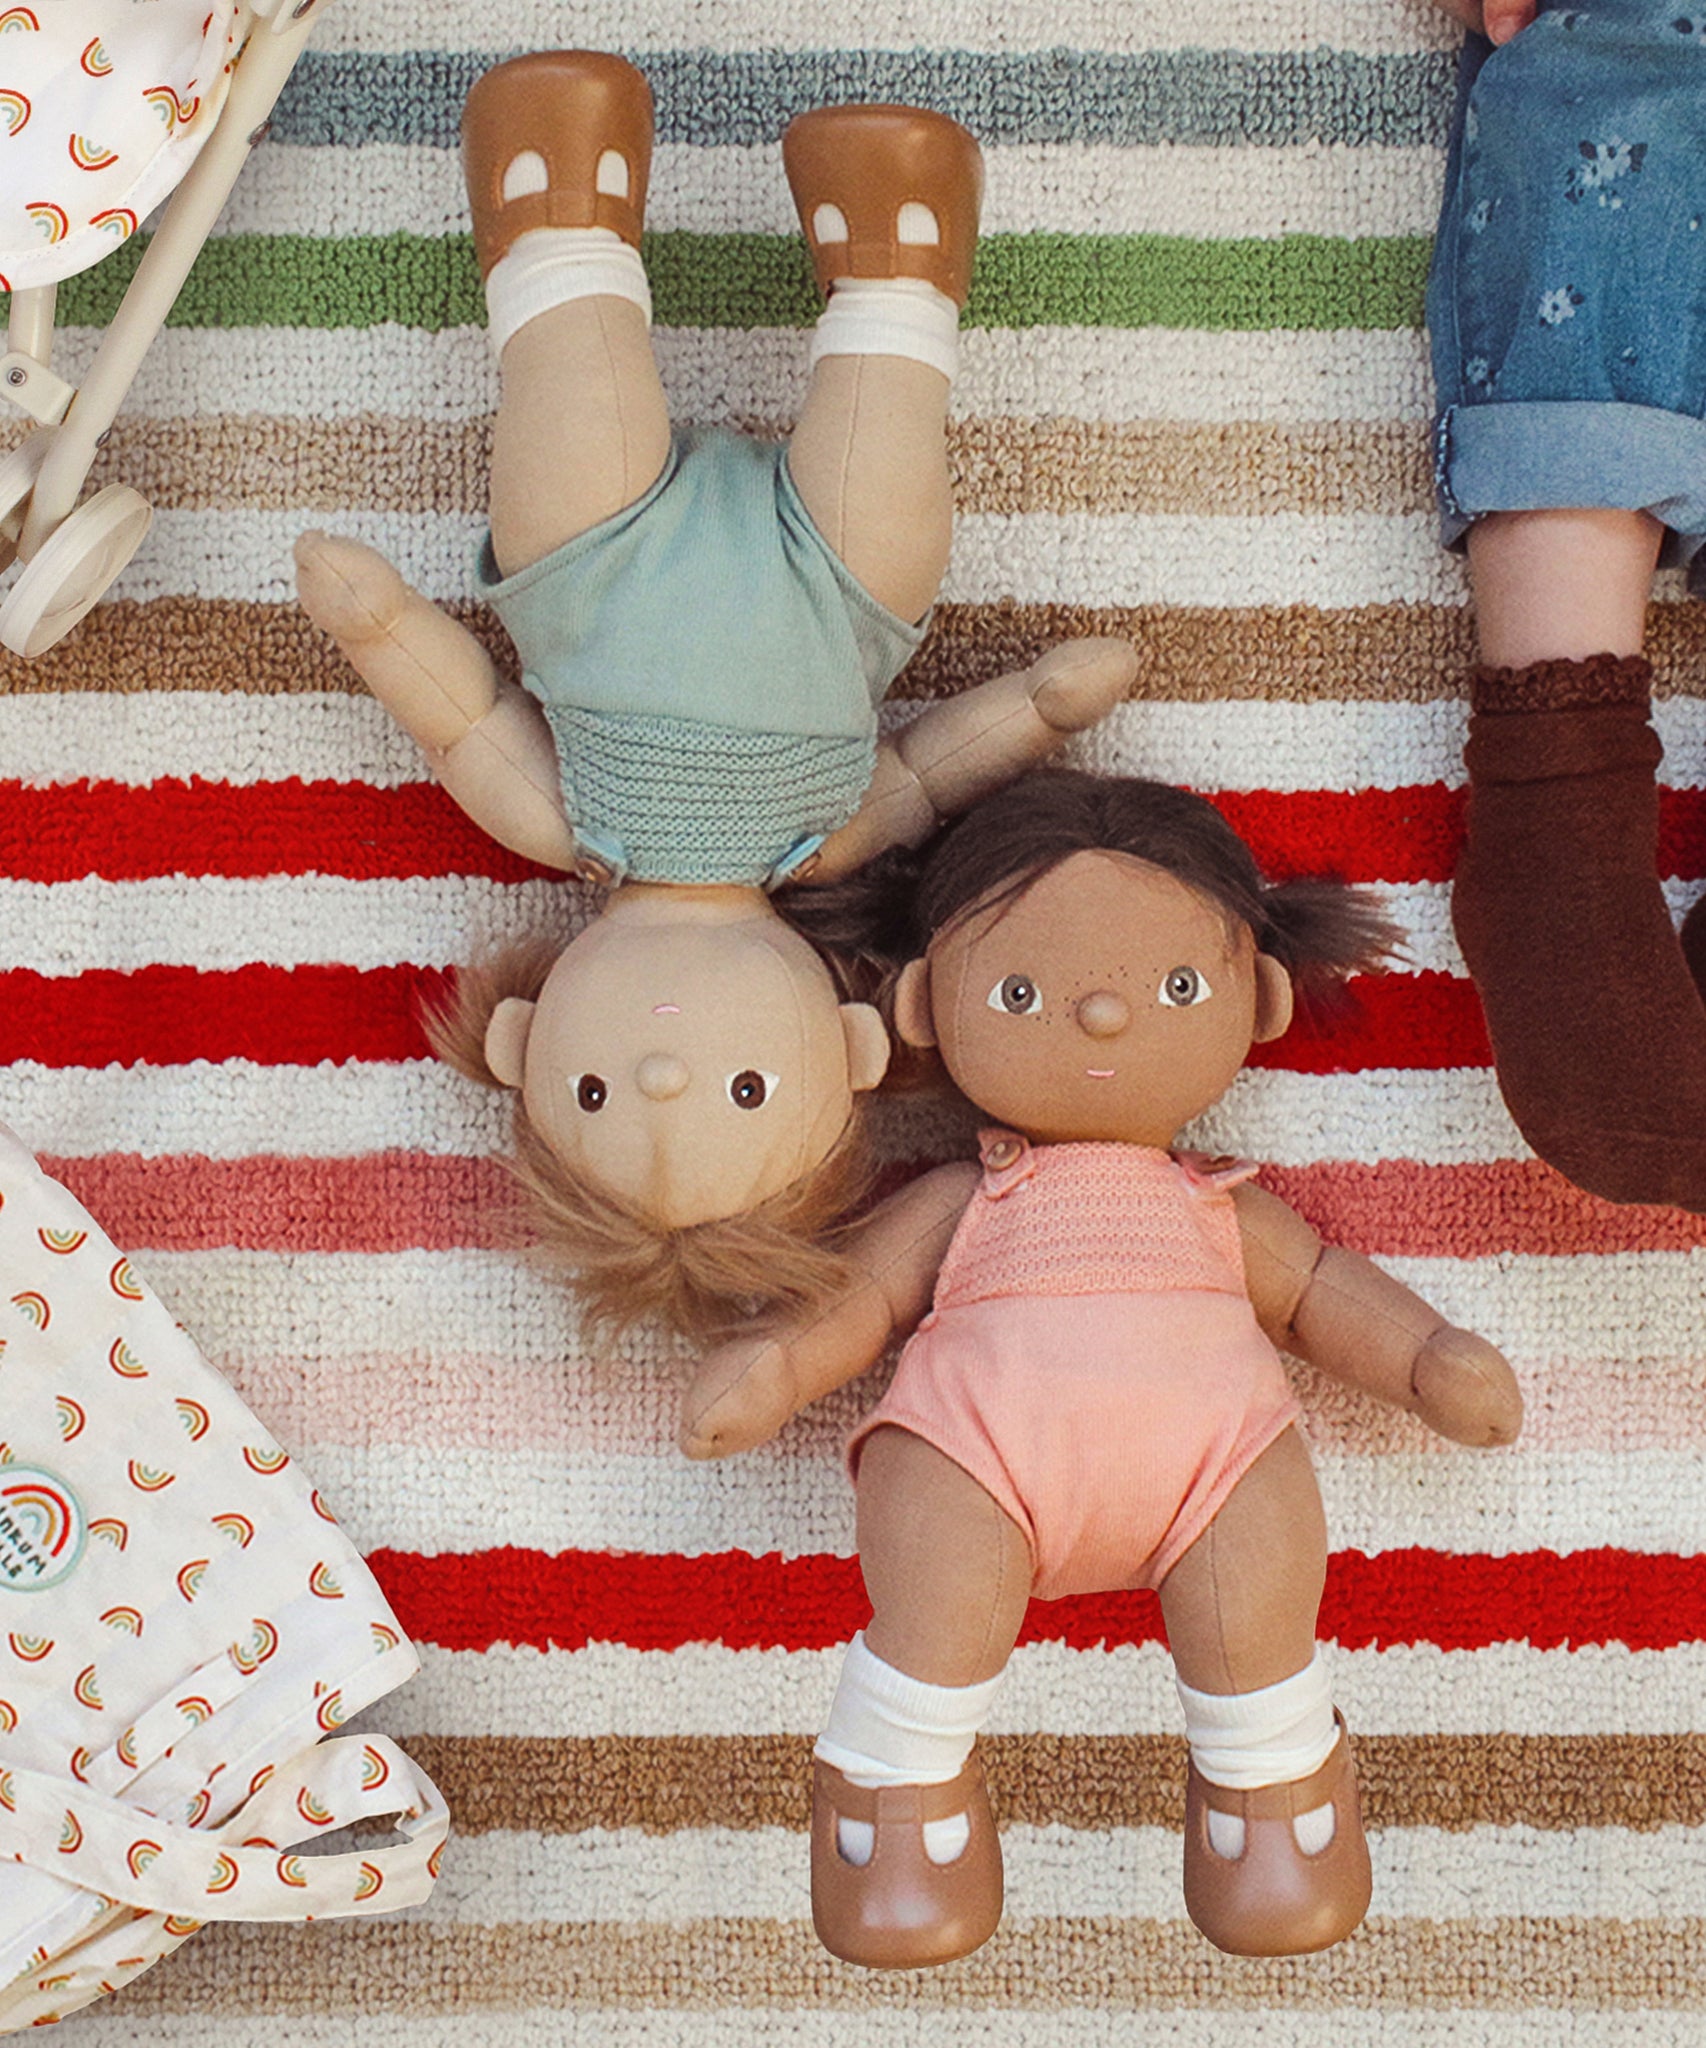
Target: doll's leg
x=1598, y=1031
x=888, y=198
x=1275, y=1860
x=557, y=151
x=906, y=1868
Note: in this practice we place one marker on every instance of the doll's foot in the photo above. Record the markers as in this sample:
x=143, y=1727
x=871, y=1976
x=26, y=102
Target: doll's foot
x=899, y=1909
x=1262, y=1891
x=560, y=139
x=885, y=192
x=1466, y=1390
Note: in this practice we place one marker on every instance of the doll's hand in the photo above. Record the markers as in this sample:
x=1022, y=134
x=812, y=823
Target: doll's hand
x=1497, y=20
x=348, y=589
x=740, y=1397
x=1466, y=1390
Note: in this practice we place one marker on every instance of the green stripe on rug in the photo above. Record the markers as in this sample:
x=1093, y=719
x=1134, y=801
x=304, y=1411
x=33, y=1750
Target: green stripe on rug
x=1028, y=280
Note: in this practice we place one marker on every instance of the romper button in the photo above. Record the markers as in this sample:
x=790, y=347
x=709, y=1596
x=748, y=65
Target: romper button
x=590, y=869
x=1003, y=1153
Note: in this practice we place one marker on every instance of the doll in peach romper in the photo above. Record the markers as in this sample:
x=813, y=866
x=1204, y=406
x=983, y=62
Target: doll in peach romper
x=1093, y=1398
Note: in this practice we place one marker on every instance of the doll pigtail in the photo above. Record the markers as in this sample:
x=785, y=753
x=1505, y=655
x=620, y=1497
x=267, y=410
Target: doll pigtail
x=1322, y=933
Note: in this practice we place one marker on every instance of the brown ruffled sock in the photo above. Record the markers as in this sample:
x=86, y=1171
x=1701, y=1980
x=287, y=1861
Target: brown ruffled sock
x=1598, y=1030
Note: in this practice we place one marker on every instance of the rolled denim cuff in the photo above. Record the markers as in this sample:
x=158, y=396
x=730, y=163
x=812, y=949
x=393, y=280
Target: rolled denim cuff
x=1551, y=454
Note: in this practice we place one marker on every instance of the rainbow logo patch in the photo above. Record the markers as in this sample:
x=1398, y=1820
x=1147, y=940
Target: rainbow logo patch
x=14, y=109
x=41, y=1529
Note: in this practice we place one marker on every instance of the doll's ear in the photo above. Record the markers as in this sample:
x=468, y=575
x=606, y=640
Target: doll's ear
x=913, y=1017
x=867, y=1046
x=1274, y=999
x=506, y=1040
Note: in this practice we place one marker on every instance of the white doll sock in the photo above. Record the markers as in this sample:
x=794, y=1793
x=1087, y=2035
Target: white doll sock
x=888, y=1729
x=890, y=316
x=1248, y=1739
x=547, y=266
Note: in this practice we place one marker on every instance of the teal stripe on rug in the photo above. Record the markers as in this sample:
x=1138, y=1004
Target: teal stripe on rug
x=1037, y=280
x=1182, y=96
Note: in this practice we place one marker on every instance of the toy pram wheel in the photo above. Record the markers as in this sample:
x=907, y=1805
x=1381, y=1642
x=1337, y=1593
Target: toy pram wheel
x=73, y=569
x=18, y=473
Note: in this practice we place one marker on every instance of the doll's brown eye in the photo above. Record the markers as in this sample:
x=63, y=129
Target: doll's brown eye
x=1018, y=995
x=749, y=1089
x=1181, y=987
x=591, y=1092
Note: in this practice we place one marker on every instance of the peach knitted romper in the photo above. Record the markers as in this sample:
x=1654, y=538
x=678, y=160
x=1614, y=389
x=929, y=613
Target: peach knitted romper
x=1092, y=1358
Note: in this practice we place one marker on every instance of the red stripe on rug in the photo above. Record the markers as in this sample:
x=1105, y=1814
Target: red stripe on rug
x=298, y=1016
x=398, y=1201
x=471, y=1601
x=121, y=833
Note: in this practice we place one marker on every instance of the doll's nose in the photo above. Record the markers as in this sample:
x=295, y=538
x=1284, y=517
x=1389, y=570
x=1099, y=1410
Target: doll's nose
x=660, y=1076
x=1103, y=1014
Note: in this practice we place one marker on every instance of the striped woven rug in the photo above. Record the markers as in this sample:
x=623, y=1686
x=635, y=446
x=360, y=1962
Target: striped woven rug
x=1193, y=411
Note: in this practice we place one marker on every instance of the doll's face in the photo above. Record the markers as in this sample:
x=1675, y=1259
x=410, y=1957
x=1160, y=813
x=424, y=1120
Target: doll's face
x=1108, y=1002
x=694, y=1067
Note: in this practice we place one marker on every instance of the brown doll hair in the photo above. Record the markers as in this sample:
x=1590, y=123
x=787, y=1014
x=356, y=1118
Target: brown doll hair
x=1320, y=931
x=702, y=1281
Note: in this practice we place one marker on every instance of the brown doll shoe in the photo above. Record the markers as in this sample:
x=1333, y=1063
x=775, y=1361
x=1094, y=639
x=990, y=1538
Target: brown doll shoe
x=567, y=107
x=900, y=1911
x=1275, y=1899
x=867, y=162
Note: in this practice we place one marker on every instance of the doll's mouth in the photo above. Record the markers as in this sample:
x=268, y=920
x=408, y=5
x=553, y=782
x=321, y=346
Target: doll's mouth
x=1100, y=1073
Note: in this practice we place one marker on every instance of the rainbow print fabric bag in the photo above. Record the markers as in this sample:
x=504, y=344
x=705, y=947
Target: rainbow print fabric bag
x=182, y=1627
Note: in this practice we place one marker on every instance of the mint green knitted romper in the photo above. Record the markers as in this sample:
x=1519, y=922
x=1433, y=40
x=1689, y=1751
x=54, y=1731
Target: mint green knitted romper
x=710, y=670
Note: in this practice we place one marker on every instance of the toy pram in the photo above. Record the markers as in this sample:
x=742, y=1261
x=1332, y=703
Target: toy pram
x=106, y=106
x=181, y=1623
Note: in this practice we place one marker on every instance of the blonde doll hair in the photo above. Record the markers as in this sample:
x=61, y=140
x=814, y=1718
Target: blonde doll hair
x=702, y=1281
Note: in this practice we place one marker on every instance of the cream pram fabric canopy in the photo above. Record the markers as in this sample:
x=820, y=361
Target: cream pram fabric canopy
x=104, y=105
x=181, y=1624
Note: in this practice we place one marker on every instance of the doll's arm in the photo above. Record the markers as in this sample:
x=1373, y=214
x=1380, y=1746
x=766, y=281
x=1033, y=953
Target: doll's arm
x=1342, y=1313
x=960, y=750
x=486, y=740
x=744, y=1391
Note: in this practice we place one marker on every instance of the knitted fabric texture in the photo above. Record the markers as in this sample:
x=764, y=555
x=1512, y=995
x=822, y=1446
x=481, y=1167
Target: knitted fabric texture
x=1092, y=1219
x=1604, y=679
x=703, y=803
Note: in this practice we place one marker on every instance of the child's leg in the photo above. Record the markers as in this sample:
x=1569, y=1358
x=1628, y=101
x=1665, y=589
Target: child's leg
x=888, y=198
x=1275, y=1861
x=1598, y=1032
x=906, y=1869
x=557, y=151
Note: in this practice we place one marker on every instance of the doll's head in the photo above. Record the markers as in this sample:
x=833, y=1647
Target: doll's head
x=1093, y=958
x=688, y=1082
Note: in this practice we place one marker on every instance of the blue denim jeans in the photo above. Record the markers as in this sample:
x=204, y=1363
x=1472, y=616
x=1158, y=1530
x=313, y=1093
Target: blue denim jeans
x=1567, y=301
